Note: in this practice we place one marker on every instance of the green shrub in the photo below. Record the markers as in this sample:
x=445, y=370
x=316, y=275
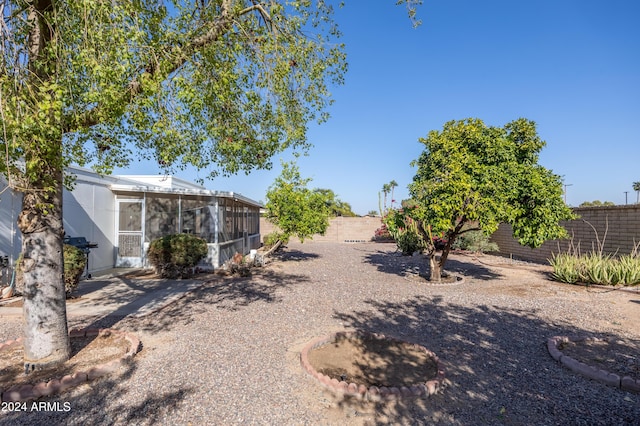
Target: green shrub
x=409, y=241
x=75, y=261
x=404, y=231
x=176, y=255
x=475, y=241
x=272, y=238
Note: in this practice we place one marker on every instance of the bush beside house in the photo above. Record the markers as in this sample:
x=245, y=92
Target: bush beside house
x=176, y=255
x=75, y=262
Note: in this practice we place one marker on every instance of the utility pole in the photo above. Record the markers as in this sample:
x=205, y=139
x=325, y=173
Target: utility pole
x=625, y=197
x=565, y=191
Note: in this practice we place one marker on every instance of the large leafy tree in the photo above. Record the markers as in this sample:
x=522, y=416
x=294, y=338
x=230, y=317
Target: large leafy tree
x=222, y=85
x=596, y=203
x=336, y=206
x=294, y=208
x=473, y=176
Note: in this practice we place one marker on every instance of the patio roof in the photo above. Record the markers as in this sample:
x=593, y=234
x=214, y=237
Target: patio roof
x=124, y=188
x=157, y=184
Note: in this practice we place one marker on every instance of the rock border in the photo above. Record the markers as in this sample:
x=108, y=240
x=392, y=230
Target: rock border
x=420, y=279
x=373, y=393
x=22, y=393
x=625, y=383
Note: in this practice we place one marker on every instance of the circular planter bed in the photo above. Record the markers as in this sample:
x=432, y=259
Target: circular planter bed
x=95, y=353
x=373, y=366
x=586, y=356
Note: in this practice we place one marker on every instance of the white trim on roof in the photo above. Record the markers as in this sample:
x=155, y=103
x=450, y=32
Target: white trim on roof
x=157, y=184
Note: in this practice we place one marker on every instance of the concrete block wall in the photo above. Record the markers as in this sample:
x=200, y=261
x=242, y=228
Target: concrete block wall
x=617, y=228
x=341, y=229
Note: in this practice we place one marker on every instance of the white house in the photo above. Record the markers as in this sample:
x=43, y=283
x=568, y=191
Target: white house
x=123, y=214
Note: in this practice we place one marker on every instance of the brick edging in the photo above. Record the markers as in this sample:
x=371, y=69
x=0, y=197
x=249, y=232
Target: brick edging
x=459, y=279
x=625, y=383
x=27, y=392
x=373, y=393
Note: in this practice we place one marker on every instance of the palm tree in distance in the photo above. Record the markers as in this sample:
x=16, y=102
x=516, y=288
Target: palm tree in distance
x=385, y=190
x=392, y=185
x=636, y=187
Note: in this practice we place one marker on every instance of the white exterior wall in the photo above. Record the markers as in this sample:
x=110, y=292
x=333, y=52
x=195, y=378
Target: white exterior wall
x=88, y=211
x=10, y=240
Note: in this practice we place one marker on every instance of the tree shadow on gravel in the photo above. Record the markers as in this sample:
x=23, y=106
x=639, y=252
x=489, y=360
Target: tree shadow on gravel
x=237, y=292
x=418, y=264
x=230, y=293
x=497, y=367
x=104, y=401
x=291, y=255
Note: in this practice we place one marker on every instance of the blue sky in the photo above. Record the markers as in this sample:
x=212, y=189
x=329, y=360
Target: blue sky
x=572, y=66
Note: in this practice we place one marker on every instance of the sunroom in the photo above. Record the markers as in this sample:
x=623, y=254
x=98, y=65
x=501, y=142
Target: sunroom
x=230, y=223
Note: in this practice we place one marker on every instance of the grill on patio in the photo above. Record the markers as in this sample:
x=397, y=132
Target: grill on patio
x=84, y=245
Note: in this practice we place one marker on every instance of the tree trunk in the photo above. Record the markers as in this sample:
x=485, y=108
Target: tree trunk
x=435, y=268
x=46, y=338
x=46, y=335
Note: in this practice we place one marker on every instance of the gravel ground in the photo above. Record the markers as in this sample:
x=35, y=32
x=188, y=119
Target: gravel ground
x=229, y=353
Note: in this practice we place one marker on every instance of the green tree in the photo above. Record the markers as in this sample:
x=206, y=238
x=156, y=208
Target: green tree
x=596, y=203
x=336, y=206
x=219, y=84
x=222, y=85
x=636, y=187
x=472, y=176
x=294, y=208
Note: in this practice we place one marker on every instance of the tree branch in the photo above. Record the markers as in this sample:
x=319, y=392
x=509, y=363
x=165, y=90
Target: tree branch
x=468, y=230
x=265, y=15
x=134, y=88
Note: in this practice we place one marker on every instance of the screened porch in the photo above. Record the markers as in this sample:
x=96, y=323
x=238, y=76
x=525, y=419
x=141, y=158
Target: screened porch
x=229, y=223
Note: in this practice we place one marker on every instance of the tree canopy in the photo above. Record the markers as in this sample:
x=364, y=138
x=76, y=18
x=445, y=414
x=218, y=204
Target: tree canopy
x=596, y=203
x=474, y=176
x=222, y=85
x=294, y=208
x=336, y=206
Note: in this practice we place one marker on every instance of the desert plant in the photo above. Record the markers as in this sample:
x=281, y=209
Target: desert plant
x=628, y=269
x=176, y=255
x=566, y=268
x=409, y=241
x=404, y=231
x=596, y=267
x=475, y=241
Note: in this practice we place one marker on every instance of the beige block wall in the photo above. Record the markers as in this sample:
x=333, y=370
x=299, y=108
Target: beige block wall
x=618, y=227
x=341, y=229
